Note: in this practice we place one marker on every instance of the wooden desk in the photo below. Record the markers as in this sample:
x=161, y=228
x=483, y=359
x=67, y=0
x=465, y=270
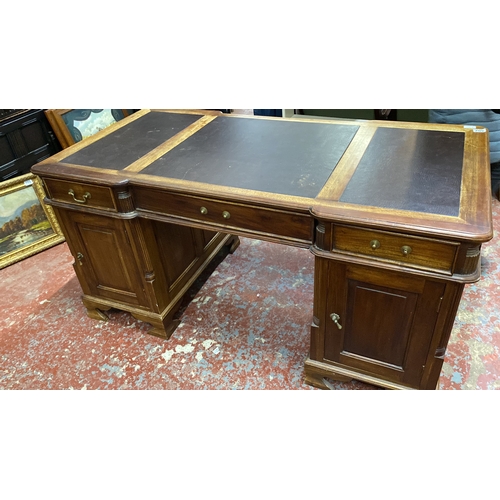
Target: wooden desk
x=395, y=214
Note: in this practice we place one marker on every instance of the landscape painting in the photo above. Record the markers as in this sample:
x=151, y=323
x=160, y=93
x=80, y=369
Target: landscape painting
x=27, y=225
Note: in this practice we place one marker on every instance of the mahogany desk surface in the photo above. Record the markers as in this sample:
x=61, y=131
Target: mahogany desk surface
x=424, y=178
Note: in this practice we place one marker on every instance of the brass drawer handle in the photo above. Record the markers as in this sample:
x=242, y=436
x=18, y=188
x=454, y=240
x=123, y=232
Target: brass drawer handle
x=86, y=196
x=405, y=250
x=226, y=214
x=375, y=244
x=335, y=318
x=204, y=210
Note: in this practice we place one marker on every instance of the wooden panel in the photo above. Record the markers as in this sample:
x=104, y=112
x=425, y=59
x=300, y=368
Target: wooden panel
x=109, y=263
x=378, y=323
x=262, y=155
x=6, y=152
x=176, y=246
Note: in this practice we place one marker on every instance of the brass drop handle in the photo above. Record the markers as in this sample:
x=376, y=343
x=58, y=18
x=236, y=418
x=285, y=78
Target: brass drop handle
x=204, y=210
x=86, y=196
x=226, y=214
x=79, y=256
x=375, y=244
x=405, y=250
x=335, y=317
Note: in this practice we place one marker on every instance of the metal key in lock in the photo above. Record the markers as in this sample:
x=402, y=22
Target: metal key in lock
x=335, y=318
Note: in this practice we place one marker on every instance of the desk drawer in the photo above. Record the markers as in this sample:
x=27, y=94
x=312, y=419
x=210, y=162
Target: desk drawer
x=80, y=194
x=228, y=216
x=408, y=250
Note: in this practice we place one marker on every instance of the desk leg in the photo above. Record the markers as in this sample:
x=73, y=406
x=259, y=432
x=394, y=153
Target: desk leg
x=162, y=326
x=96, y=313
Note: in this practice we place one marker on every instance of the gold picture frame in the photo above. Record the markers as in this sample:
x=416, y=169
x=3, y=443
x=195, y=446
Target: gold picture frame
x=27, y=224
x=73, y=125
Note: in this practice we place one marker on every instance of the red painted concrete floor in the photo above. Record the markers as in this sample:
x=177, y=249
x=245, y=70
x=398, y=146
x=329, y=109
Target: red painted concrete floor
x=247, y=327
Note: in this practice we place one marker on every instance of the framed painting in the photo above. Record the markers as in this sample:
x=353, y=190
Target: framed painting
x=27, y=225
x=74, y=125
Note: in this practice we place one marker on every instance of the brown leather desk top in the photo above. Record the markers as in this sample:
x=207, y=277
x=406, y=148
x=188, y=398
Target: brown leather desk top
x=414, y=177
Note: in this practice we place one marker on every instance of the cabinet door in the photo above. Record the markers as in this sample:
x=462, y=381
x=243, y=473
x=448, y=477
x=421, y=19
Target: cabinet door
x=104, y=259
x=385, y=322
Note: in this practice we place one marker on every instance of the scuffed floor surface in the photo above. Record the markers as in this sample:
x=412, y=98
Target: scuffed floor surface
x=247, y=327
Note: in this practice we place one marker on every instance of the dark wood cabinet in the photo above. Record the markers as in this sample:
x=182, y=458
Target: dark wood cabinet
x=26, y=138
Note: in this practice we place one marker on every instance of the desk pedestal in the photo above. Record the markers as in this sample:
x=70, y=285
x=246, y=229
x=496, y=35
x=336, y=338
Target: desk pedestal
x=141, y=266
x=378, y=320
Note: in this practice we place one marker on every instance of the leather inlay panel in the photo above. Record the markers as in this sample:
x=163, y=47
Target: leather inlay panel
x=421, y=171
x=130, y=142
x=274, y=156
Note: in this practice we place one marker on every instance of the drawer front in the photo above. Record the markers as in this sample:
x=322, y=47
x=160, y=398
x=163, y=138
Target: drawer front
x=411, y=251
x=228, y=216
x=80, y=194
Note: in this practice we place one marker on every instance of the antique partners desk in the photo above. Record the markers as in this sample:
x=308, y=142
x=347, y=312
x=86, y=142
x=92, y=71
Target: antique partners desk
x=395, y=214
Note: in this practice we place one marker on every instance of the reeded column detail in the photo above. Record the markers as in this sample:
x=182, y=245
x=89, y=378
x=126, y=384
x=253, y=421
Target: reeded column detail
x=471, y=260
x=320, y=236
x=125, y=203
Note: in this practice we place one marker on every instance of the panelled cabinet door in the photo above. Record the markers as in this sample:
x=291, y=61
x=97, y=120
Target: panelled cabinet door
x=380, y=322
x=104, y=259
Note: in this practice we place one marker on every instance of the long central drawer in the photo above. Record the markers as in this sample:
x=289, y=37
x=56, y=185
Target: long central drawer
x=286, y=226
